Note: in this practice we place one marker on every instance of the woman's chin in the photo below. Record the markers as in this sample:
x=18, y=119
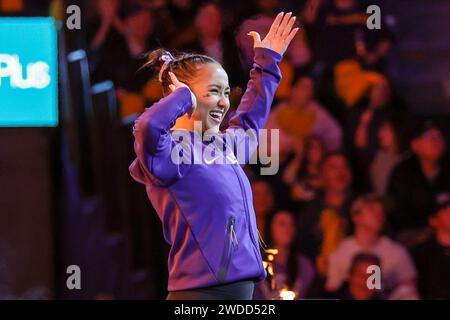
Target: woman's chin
x=212, y=125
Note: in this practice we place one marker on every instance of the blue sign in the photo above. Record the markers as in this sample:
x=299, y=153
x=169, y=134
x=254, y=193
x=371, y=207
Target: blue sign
x=28, y=72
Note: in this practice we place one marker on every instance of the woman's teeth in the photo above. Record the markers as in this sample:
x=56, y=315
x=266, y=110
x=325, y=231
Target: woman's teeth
x=217, y=115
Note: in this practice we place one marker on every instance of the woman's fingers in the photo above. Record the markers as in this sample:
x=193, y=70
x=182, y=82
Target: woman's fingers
x=291, y=35
x=288, y=28
x=172, y=87
x=276, y=24
x=256, y=38
x=279, y=35
x=174, y=79
x=283, y=23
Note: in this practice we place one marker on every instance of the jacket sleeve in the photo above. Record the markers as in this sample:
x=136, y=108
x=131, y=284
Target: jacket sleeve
x=254, y=108
x=153, y=140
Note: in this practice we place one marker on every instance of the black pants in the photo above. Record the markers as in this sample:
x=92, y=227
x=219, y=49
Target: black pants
x=242, y=290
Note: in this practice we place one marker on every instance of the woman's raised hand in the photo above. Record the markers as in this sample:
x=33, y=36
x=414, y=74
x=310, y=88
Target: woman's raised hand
x=178, y=84
x=280, y=34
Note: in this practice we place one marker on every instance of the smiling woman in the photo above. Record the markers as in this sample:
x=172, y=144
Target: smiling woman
x=207, y=81
x=212, y=229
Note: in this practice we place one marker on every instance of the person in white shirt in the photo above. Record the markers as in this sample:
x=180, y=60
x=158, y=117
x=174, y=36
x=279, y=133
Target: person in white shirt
x=398, y=274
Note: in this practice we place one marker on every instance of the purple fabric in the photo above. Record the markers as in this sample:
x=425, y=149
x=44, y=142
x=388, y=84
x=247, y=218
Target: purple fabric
x=198, y=203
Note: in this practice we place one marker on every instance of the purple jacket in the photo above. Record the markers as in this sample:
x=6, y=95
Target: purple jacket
x=206, y=209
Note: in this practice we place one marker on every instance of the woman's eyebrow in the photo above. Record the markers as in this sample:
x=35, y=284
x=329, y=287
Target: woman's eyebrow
x=218, y=86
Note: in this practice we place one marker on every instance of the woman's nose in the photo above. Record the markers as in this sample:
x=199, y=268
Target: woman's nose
x=224, y=102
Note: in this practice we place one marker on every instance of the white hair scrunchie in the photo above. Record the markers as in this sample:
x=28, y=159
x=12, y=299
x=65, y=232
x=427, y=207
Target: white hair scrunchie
x=165, y=58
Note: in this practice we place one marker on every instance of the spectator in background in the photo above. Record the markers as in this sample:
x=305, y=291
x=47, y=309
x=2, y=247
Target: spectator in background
x=260, y=23
x=350, y=85
x=301, y=116
x=355, y=288
x=263, y=203
x=324, y=222
x=124, y=55
x=303, y=172
x=397, y=268
x=103, y=22
x=11, y=7
x=298, y=56
x=388, y=155
x=178, y=25
x=292, y=271
x=217, y=43
x=364, y=125
x=339, y=32
x=433, y=256
x=25, y=8
x=364, y=121
x=374, y=45
x=415, y=182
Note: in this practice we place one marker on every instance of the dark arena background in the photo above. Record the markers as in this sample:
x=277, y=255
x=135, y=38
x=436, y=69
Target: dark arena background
x=364, y=119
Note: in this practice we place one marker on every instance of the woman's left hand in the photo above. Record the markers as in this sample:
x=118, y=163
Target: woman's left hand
x=279, y=36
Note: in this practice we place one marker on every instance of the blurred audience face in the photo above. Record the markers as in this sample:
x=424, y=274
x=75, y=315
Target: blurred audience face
x=315, y=150
x=140, y=25
x=209, y=21
x=441, y=221
x=282, y=229
x=386, y=136
x=182, y=3
x=268, y=6
x=357, y=282
x=380, y=95
x=344, y=4
x=108, y=9
x=430, y=146
x=370, y=217
x=303, y=91
x=336, y=173
x=211, y=89
x=262, y=197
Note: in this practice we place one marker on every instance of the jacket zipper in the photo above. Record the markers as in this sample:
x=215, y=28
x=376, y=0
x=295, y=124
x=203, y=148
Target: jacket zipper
x=230, y=244
x=261, y=241
x=255, y=247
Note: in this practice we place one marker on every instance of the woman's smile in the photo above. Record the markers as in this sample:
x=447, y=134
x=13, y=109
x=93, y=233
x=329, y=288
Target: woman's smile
x=216, y=115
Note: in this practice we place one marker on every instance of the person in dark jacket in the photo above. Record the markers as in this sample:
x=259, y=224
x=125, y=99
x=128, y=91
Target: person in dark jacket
x=432, y=257
x=416, y=180
x=206, y=206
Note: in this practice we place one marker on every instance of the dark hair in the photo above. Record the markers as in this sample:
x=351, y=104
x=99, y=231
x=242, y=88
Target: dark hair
x=305, y=160
x=397, y=121
x=361, y=201
x=364, y=257
x=184, y=65
x=421, y=126
x=292, y=261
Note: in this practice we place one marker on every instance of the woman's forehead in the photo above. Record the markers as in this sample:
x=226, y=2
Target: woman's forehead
x=212, y=73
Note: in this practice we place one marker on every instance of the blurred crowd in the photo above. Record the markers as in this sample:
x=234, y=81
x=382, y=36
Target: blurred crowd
x=361, y=181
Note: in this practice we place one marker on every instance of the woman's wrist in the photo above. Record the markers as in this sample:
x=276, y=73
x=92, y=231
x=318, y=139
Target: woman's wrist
x=194, y=104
